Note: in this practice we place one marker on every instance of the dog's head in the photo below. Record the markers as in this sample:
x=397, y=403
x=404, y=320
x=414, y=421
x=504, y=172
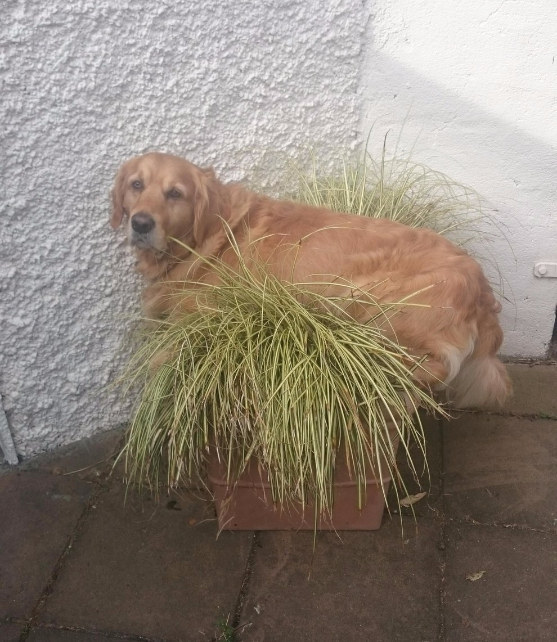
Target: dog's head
x=163, y=196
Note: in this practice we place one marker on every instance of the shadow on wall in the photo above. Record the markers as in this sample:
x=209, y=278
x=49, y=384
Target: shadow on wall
x=512, y=169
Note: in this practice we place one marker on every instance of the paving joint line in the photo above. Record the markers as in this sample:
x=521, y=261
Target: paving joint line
x=244, y=587
x=443, y=535
x=47, y=591
x=9, y=619
x=470, y=521
x=111, y=634
x=529, y=361
x=502, y=413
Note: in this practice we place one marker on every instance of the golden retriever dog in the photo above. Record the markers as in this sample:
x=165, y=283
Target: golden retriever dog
x=448, y=314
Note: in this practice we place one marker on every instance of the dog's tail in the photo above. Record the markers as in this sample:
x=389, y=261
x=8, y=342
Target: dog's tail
x=481, y=381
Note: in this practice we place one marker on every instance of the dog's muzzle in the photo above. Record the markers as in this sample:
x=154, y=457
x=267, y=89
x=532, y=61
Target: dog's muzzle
x=142, y=223
x=142, y=228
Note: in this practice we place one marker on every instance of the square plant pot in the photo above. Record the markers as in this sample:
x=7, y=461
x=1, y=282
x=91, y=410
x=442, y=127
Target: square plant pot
x=246, y=503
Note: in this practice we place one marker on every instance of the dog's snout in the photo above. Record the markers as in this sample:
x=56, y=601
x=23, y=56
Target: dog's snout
x=142, y=223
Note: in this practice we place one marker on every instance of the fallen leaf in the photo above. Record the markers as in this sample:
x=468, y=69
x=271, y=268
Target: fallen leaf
x=474, y=577
x=412, y=499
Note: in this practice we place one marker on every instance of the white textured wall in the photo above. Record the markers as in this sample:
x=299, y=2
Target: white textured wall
x=473, y=86
x=87, y=83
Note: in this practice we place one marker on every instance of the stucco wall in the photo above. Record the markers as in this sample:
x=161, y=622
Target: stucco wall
x=470, y=88
x=86, y=84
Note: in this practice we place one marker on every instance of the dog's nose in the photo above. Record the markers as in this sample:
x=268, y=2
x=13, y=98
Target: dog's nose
x=142, y=223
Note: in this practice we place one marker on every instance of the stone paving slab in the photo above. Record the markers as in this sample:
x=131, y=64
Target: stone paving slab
x=10, y=632
x=150, y=569
x=38, y=512
x=535, y=389
x=501, y=469
x=514, y=599
x=356, y=586
x=59, y=635
x=425, y=478
x=89, y=458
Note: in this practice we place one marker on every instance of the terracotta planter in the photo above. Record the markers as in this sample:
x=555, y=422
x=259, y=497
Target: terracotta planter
x=247, y=503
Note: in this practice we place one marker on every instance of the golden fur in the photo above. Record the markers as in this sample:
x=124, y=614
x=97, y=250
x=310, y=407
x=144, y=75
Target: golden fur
x=454, y=325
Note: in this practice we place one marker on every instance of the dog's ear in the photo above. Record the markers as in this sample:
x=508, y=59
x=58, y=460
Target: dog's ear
x=118, y=196
x=206, y=204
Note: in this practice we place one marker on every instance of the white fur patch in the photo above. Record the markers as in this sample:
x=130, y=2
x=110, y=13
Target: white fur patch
x=454, y=358
x=481, y=382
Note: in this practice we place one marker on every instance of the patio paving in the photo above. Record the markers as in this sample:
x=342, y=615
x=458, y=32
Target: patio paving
x=81, y=561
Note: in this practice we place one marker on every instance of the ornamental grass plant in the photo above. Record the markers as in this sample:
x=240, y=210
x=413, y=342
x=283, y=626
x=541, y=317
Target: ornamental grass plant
x=268, y=370
x=394, y=188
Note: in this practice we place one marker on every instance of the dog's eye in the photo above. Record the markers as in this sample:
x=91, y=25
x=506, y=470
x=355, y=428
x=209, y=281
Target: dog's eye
x=137, y=184
x=174, y=194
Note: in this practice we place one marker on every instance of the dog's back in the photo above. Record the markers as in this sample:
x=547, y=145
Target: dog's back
x=443, y=306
